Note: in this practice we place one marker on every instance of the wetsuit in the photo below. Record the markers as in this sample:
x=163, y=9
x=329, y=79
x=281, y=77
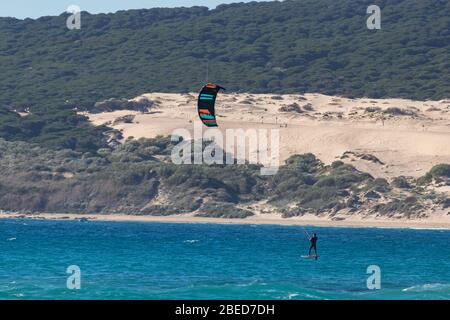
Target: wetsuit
x=313, y=241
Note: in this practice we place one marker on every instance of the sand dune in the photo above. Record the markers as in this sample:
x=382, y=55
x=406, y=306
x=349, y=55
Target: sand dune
x=408, y=144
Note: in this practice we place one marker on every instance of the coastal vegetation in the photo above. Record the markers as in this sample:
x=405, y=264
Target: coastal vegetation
x=53, y=160
x=137, y=177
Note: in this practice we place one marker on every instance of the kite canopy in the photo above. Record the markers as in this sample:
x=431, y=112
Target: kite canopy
x=206, y=104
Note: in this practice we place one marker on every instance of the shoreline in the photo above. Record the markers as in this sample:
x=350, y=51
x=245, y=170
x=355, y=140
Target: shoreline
x=356, y=222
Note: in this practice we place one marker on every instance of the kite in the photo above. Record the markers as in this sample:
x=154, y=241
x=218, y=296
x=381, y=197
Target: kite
x=206, y=104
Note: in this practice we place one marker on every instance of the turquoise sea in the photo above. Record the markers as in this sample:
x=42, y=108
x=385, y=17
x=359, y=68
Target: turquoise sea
x=133, y=260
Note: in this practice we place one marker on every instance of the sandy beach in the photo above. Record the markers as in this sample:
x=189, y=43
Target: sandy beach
x=307, y=220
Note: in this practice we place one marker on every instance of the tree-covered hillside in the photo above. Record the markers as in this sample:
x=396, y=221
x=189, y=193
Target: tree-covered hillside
x=291, y=46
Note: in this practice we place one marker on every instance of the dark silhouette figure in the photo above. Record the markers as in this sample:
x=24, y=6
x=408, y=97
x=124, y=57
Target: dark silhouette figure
x=313, y=241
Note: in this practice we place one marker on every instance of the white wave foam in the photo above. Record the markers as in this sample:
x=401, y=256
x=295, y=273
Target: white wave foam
x=292, y=295
x=428, y=287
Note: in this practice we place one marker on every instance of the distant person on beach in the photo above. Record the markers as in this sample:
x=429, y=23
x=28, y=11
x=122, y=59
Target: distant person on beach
x=313, y=241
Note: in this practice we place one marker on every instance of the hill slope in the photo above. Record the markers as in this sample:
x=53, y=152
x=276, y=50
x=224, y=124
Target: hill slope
x=319, y=46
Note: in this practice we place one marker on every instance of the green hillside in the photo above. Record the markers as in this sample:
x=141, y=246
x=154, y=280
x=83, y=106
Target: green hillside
x=133, y=178
x=291, y=46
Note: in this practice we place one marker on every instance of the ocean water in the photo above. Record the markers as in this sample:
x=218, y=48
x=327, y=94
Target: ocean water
x=133, y=260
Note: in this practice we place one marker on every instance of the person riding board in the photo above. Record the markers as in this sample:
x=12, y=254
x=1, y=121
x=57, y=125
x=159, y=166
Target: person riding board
x=313, y=241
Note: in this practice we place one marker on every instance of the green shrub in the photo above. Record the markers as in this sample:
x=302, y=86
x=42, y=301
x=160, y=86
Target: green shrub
x=439, y=173
x=401, y=182
x=223, y=210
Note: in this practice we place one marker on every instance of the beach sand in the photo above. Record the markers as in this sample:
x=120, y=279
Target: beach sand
x=273, y=219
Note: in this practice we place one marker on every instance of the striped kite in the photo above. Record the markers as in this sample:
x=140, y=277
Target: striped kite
x=206, y=104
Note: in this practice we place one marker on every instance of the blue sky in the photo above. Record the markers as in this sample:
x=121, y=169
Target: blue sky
x=34, y=9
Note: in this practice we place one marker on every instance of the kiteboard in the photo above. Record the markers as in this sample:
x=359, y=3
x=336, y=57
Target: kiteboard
x=311, y=257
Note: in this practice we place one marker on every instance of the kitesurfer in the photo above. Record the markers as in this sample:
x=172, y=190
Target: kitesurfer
x=313, y=242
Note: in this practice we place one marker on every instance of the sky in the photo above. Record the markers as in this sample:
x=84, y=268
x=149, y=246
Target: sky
x=33, y=9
